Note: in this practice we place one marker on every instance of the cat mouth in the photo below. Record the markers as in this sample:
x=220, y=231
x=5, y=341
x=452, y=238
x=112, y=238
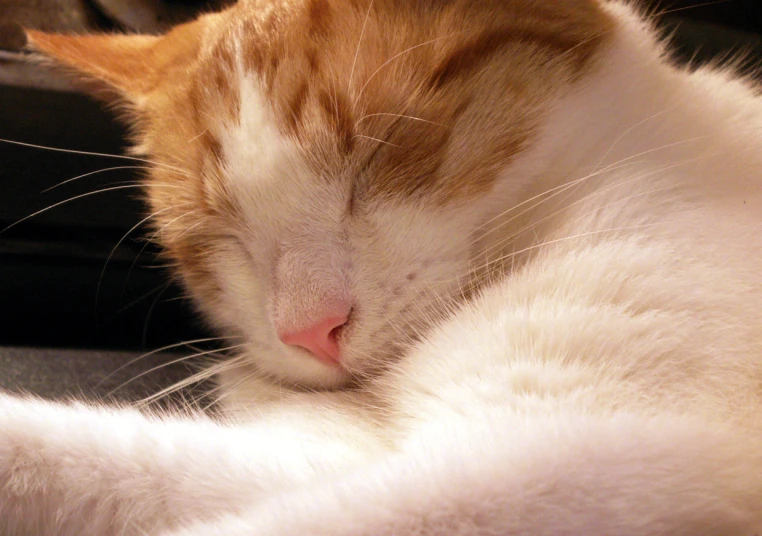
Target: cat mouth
x=328, y=354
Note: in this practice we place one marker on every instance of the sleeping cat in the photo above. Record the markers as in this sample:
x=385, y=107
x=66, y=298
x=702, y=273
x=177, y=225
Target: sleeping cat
x=492, y=267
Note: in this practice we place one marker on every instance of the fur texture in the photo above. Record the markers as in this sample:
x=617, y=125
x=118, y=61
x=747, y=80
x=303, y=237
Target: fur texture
x=550, y=237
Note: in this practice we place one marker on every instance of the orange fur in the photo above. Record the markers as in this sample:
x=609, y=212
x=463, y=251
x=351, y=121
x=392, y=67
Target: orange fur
x=425, y=81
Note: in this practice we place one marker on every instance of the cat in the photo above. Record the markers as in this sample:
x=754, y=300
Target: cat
x=492, y=267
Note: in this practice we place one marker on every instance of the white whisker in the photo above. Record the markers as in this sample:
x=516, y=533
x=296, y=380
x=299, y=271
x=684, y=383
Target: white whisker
x=357, y=50
x=379, y=141
x=200, y=376
x=89, y=174
x=572, y=237
x=141, y=298
x=156, y=351
x=103, y=190
x=104, y=155
x=119, y=243
x=172, y=362
x=402, y=116
x=387, y=62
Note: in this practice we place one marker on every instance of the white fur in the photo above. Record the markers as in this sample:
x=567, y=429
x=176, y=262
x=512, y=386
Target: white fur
x=609, y=385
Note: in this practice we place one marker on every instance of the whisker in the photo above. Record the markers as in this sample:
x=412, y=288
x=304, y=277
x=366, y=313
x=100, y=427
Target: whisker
x=150, y=240
x=89, y=174
x=511, y=238
x=572, y=237
x=172, y=362
x=380, y=141
x=176, y=298
x=154, y=303
x=615, y=166
x=231, y=388
x=618, y=201
x=183, y=215
x=686, y=8
x=403, y=117
x=598, y=192
x=104, y=155
x=202, y=375
x=387, y=62
x=119, y=243
x=103, y=190
x=334, y=96
x=197, y=136
x=547, y=194
x=162, y=349
x=357, y=50
x=569, y=186
x=561, y=187
x=624, y=133
x=141, y=298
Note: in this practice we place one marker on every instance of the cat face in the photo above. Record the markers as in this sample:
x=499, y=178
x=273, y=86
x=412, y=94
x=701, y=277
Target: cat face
x=324, y=170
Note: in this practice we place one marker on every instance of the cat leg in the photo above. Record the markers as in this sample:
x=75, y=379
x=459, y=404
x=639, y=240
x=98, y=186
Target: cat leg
x=73, y=469
x=621, y=476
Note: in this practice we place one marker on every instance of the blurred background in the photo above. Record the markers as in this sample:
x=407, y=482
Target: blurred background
x=57, y=289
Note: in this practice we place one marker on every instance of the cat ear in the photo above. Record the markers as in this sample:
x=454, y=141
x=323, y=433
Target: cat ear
x=121, y=67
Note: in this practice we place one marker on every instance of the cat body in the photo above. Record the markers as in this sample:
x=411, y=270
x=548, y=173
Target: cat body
x=568, y=342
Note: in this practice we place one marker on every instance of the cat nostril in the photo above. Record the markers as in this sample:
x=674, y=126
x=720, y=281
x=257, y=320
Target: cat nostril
x=334, y=334
x=321, y=338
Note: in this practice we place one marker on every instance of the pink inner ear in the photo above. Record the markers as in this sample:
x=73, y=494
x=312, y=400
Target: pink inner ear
x=319, y=338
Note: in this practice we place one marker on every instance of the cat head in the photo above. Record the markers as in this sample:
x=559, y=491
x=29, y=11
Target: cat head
x=322, y=170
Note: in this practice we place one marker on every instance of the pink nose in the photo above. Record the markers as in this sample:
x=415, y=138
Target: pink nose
x=320, y=338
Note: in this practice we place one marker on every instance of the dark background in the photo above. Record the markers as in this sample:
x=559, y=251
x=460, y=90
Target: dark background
x=56, y=288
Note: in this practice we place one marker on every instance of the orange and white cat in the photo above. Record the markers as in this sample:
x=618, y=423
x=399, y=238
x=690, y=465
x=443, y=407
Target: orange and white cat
x=495, y=267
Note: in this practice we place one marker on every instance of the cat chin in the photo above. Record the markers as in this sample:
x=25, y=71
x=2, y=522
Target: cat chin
x=294, y=366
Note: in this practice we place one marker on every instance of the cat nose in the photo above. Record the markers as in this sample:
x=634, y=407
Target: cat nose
x=319, y=338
